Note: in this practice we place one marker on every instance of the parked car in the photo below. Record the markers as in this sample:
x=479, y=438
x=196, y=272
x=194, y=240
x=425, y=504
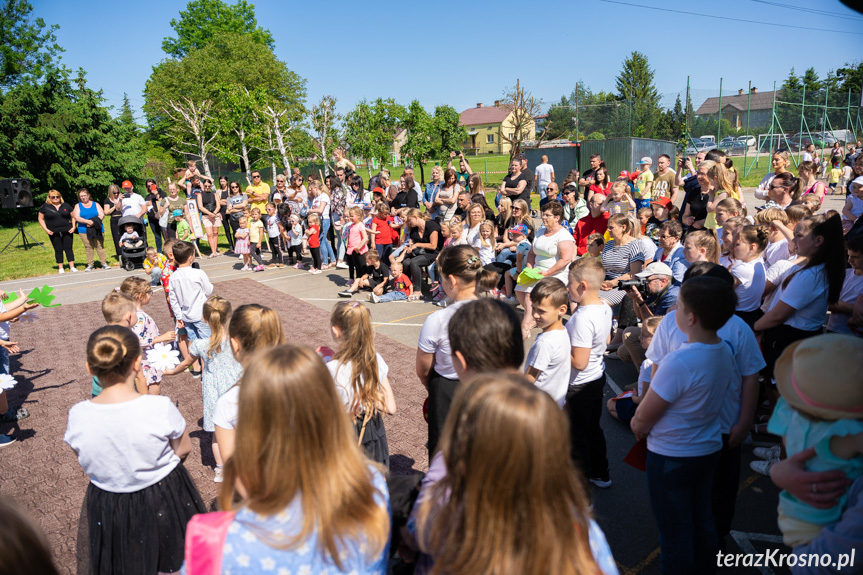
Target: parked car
x=707, y=138
x=748, y=140
x=726, y=141
x=797, y=142
x=697, y=145
x=734, y=147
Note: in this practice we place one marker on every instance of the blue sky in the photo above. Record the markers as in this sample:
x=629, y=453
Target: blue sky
x=461, y=53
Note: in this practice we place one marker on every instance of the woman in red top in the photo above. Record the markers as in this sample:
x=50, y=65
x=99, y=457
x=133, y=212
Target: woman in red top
x=601, y=184
x=382, y=233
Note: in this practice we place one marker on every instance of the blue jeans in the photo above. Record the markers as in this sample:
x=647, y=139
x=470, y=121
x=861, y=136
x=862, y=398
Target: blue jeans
x=326, y=248
x=156, y=276
x=506, y=256
x=392, y=296
x=197, y=330
x=680, y=495
x=341, y=245
x=541, y=188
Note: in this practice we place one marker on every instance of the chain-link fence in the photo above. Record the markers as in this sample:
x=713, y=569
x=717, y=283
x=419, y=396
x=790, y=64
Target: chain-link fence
x=743, y=121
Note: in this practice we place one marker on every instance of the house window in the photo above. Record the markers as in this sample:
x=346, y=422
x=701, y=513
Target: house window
x=512, y=135
x=489, y=139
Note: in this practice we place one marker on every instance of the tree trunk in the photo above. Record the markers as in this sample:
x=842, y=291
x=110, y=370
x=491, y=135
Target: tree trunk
x=202, y=151
x=244, y=154
x=280, y=140
x=422, y=174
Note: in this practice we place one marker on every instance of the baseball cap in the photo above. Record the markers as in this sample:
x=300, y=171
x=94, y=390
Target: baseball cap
x=645, y=160
x=126, y=184
x=378, y=190
x=664, y=202
x=634, y=175
x=277, y=196
x=177, y=213
x=521, y=157
x=518, y=229
x=623, y=174
x=655, y=268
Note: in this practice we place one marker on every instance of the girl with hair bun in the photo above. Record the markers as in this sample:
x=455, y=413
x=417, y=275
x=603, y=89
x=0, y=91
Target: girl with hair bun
x=140, y=496
x=460, y=271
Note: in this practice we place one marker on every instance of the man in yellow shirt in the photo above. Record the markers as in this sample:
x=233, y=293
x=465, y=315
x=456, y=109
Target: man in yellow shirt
x=258, y=192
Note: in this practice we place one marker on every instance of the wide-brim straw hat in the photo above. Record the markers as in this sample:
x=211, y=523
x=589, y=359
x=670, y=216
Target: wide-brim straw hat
x=822, y=376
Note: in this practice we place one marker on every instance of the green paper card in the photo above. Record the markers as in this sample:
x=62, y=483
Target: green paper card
x=43, y=296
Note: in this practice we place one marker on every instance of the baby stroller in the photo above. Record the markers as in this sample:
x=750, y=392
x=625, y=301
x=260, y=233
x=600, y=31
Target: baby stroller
x=130, y=258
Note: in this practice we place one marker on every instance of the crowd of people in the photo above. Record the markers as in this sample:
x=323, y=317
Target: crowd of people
x=738, y=320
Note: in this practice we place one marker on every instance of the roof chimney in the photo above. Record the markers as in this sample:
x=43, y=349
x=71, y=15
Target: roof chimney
x=497, y=103
x=740, y=92
x=754, y=90
x=479, y=104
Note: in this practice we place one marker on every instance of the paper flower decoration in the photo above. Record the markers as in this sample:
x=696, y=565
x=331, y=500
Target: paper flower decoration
x=162, y=357
x=28, y=317
x=7, y=381
x=43, y=296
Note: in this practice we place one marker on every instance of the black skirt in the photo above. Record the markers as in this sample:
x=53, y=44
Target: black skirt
x=143, y=532
x=374, y=441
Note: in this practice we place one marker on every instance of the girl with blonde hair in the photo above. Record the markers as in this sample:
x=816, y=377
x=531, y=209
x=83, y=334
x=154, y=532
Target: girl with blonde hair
x=220, y=371
x=721, y=187
x=504, y=431
x=252, y=327
x=299, y=495
x=360, y=375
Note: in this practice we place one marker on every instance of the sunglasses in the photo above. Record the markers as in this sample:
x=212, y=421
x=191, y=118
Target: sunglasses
x=54, y=197
x=256, y=177
x=516, y=209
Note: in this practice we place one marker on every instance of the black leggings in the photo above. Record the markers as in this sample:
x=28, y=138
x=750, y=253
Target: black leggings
x=229, y=232
x=157, y=231
x=62, y=242
x=414, y=268
x=295, y=253
x=316, y=257
x=356, y=263
x=441, y=392
x=235, y=225
x=115, y=235
x=276, y=249
x=255, y=252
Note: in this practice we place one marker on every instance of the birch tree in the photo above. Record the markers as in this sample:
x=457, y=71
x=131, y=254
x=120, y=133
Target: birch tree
x=192, y=128
x=324, y=119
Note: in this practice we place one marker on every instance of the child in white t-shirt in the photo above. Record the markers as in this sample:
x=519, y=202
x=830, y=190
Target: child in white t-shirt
x=777, y=242
x=748, y=271
x=680, y=417
x=127, y=443
x=252, y=327
x=589, y=330
x=486, y=242
x=362, y=384
x=548, y=363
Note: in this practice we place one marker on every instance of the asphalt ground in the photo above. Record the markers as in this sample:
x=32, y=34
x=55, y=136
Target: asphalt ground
x=623, y=510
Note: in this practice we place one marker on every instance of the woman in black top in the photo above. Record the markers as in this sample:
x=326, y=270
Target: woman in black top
x=696, y=200
x=223, y=194
x=407, y=196
x=114, y=207
x=153, y=196
x=480, y=199
x=426, y=242
x=55, y=217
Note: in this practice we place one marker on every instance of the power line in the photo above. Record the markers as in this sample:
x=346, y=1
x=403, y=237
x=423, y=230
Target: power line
x=808, y=10
x=666, y=10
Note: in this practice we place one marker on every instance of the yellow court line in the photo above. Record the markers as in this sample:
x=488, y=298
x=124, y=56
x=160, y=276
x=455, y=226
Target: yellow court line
x=410, y=317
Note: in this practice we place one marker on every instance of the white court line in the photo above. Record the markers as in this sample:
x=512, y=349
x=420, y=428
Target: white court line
x=400, y=324
x=614, y=387
x=288, y=277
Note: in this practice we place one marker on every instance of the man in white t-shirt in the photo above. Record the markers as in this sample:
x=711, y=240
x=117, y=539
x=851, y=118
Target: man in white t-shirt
x=543, y=176
x=133, y=203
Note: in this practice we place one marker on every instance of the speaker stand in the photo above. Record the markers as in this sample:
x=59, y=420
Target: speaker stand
x=24, y=243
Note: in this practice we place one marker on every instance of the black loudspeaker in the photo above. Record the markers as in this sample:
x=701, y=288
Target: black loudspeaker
x=15, y=193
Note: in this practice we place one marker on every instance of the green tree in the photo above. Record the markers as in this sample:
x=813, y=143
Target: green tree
x=28, y=47
x=560, y=120
x=635, y=83
x=371, y=128
x=204, y=20
x=851, y=77
x=59, y=134
x=418, y=144
x=449, y=134
x=182, y=97
x=237, y=120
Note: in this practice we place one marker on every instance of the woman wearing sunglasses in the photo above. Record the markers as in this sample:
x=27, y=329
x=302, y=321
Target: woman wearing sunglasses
x=55, y=217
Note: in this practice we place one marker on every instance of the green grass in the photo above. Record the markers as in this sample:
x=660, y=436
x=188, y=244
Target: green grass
x=479, y=164
x=18, y=263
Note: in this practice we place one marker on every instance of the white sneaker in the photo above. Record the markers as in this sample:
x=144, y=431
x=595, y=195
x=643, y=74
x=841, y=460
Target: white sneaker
x=61, y=271
x=74, y=269
x=217, y=478
x=88, y=269
x=767, y=453
x=601, y=483
x=374, y=298
x=341, y=266
x=762, y=467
